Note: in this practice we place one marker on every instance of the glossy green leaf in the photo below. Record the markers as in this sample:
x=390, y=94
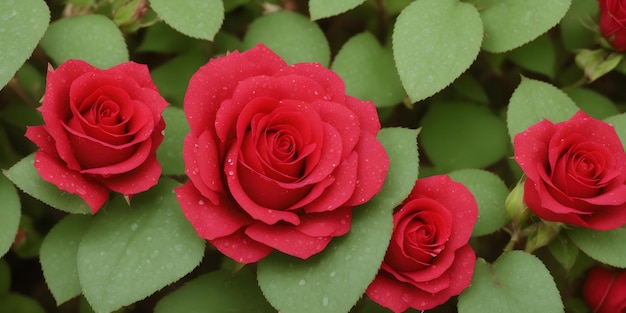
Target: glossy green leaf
x=517, y=282
x=537, y=56
x=17, y=303
x=459, y=135
x=369, y=71
x=325, y=8
x=9, y=214
x=604, y=246
x=22, y=24
x=619, y=124
x=533, y=101
x=490, y=193
x=170, y=152
x=24, y=175
x=173, y=76
x=291, y=35
x=593, y=103
x=435, y=41
x=335, y=279
x=576, y=32
x=74, y=38
x=222, y=291
x=58, y=256
x=194, y=18
x=128, y=253
x=512, y=23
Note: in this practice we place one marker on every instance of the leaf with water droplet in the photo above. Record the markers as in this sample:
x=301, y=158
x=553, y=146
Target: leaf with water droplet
x=118, y=265
x=24, y=175
x=605, y=246
x=221, y=291
x=22, y=24
x=58, y=256
x=335, y=279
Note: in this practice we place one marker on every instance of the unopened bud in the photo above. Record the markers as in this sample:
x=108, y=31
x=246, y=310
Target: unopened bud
x=515, y=207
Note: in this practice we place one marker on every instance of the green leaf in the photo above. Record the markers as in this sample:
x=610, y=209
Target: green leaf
x=604, y=246
x=435, y=41
x=512, y=23
x=17, y=303
x=490, y=193
x=619, y=124
x=576, y=32
x=325, y=8
x=335, y=279
x=170, y=152
x=75, y=38
x=24, y=175
x=592, y=102
x=58, y=256
x=128, y=253
x=533, y=101
x=469, y=87
x=538, y=56
x=564, y=251
x=173, y=77
x=222, y=291
x=194, y=18
x=22, y=24
x=459, y=135
x=163, y=39
x=291, y=35
x=369, y=71
x=9, y=214
x=517, y=282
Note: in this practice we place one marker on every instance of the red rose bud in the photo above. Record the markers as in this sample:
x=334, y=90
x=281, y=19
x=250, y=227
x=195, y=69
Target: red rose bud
x=604, y=290
x=613, y=22
x=277, y=155
x=101, y=130
x=429, y=259
x=575, y=172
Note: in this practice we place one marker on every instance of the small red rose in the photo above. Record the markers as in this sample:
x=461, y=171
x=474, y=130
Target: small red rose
x=277, y=155
x=604, y=290
x=613, y=22
x=101, y=130
x=429, y=258
x=575, y=172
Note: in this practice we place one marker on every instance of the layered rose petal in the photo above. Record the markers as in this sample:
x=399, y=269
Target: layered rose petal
x=604, y=290
x=613, y=22
x=429, y=259
x=280, y=145
x=104, y=126
x=575, y=172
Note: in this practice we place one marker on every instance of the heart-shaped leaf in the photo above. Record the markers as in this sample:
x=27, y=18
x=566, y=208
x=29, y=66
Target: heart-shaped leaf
x=335, y=279
x=128, y=253
x=325, y=8
x=516, y=282
x=22, y=24
x=434, y=42
x=194, y=18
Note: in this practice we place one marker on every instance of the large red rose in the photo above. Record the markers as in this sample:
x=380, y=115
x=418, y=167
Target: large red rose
x=101, y=130
x=277, y=155
x=605, y=290
x=429, y=259
x=575, y=172
x=613, y=22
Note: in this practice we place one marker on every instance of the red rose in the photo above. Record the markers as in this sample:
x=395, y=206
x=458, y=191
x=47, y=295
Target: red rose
x=605, y=290
x=613, y=22
x=429, y=259
x=277, y=155
x=101, y=130
x=575, y=172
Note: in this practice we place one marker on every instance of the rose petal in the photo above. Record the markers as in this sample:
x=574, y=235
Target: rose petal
x=331, y=224
x=366, y=112
x=39, y=135
x=53, y=171
x=137, y=180
x=287, y=239
x=391, y=294
x=210, y=221
x=340, y=190
x=329, y=80
x=241, y=248
x=373, y=166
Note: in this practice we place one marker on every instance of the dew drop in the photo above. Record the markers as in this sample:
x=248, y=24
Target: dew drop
x=133, y=226
x=200, y=202
x=325, y=301
x=302, y=282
